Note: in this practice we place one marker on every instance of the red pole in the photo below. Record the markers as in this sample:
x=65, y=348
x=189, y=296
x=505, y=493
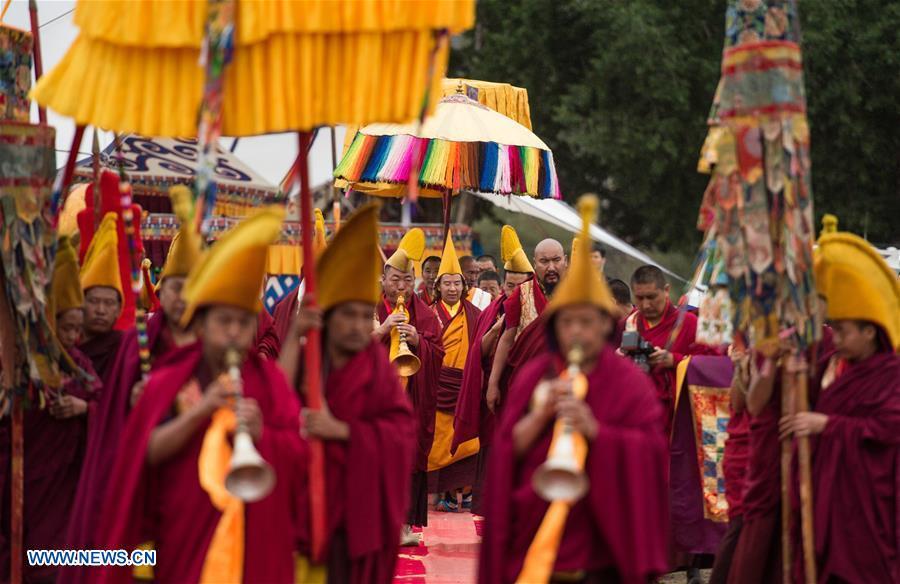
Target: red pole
x=312, y=354
x=38, y=61
x=69, y=171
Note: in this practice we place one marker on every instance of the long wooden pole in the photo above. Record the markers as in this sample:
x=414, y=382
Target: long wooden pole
x=787, y=409
x=806, y=497
x=312, y=354
x=36, y=51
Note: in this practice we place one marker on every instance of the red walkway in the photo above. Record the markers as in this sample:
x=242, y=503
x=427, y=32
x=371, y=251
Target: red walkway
x=448, y=553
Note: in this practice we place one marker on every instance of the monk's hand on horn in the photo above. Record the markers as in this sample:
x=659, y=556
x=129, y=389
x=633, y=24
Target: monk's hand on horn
x=579, y=415
x=248, y=411
x=802, y=424
x=412, y=335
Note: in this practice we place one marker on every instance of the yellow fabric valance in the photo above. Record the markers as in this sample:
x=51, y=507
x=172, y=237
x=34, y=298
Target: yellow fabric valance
x=313, y=62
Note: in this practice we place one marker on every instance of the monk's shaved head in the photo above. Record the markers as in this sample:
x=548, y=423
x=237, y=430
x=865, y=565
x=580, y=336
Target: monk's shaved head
x=549, y=263
x=549, y=246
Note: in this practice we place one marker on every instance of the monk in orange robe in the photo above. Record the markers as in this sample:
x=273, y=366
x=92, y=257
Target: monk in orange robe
x=458, y=317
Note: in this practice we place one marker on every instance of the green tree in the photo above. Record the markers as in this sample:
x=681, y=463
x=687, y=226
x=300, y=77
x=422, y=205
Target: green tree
x=621, y=90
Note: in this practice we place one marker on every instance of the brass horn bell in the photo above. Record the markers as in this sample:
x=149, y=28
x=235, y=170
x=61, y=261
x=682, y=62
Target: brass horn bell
x=406, y=362
x=250, y=478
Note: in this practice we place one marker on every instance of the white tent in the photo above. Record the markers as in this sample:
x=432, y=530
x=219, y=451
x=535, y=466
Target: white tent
x=562, y=215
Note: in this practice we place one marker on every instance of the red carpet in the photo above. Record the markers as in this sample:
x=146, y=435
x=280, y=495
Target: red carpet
x=448, y=553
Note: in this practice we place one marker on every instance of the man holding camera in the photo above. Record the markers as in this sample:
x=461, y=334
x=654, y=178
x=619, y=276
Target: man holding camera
x=668, y=334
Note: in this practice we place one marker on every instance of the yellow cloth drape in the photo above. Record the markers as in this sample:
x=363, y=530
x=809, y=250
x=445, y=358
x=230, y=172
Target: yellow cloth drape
x=541, y=556
x=297, y=64
x=225, y=556
x=456, y=341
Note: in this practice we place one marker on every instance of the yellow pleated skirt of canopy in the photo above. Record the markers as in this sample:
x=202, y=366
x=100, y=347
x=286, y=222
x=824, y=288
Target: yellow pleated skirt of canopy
x=297, y=64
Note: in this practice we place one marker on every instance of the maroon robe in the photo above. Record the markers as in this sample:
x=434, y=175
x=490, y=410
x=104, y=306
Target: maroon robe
x=366, y=476
x=472, y=418
x=268, y=343
x=423, y=294
x=54, y=453
x=167, y=505
x=856, y=474
x=283, y=315
x=680, y=346
x=422, y=390
x=622, y=523
x=105, y=432
x=757, y=556
x=531, y=341
x=102, y=350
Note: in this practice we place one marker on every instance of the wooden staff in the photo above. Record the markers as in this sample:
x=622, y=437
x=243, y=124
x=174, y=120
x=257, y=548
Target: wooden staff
x=312, y=353
x=806, y=499
x=36, y=52
x=787, y=409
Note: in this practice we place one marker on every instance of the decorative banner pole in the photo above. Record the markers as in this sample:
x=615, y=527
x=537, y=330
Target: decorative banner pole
x=312, y=352
x=38, y=60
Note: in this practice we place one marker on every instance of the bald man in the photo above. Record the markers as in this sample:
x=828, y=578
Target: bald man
x=522, y=339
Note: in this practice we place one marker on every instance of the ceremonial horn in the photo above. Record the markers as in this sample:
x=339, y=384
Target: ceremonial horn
x=250, y=478
x=561, y=477
x=406, y=362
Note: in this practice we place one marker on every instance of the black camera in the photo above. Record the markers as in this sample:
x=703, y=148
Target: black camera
x=637, y=349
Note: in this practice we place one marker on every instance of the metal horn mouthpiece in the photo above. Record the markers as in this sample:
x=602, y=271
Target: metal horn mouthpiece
x=406, y=362
x=250, y=478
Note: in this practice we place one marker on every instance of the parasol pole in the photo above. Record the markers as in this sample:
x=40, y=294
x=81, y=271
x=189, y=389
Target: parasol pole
x=336, y=198
x=312, y=352
x=36, y=50
x=446, y=198
x=59, y=198
x=95, y=163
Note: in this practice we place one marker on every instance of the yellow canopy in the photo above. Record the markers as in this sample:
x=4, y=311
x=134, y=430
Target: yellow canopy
x=293, y=63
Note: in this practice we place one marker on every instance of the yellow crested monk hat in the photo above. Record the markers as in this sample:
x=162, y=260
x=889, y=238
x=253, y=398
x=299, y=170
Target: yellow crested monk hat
x=101, y=261
x=185, y=250
x=856, y=281
x=514, y=257
x=410, y=250
x=349, y=268
x=319, y=243
x=231, y=271
x=449, y=259
x=582, y=284
x=65, y=288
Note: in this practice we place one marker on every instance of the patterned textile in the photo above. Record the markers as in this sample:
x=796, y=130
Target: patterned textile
x=708, y=381
x=759, y=204
x=26, y=254
x=709, y=406
x=277, y=288
x=15, y=74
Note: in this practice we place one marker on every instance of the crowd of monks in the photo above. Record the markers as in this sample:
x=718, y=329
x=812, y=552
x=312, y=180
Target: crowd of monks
x=505, y=363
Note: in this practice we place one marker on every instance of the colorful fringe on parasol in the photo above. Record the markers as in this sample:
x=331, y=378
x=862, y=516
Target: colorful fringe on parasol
x=486, y=167
x=463, y=146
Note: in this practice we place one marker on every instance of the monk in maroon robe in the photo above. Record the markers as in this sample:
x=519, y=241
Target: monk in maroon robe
x=55, y=440
x=425, y=289
x=670, y=331
x=423, y=333
x=757, y=556
x=619, y=530
x=123, y=387
x=734, y=465
x=161, y=500
x=856, y=457
x=523, y=339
